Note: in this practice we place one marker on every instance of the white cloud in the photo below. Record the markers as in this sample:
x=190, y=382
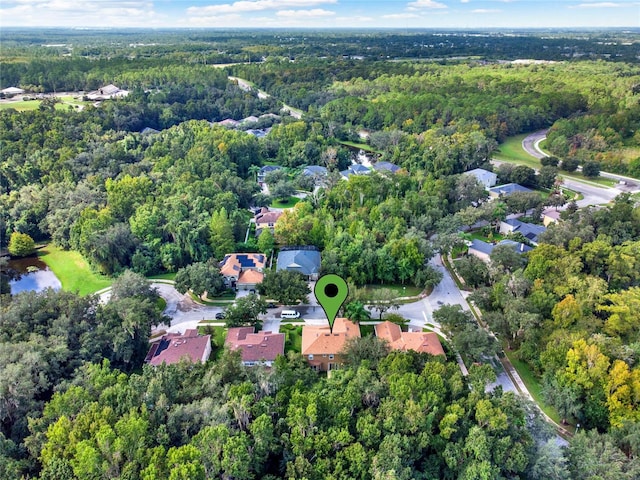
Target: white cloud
x=401, y=15
x=82, y=13
x=316, y=12
x=254, y=6
x=599, y=5
x=485, y=10
x=418, y=4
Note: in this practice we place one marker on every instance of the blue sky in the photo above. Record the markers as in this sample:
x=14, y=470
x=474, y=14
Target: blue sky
x=321, y=13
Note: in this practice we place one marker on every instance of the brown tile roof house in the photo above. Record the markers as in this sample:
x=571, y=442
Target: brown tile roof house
x=321, y=348
x=260, y=348
x=266, y=219
x=421, y=342
x=243, y=270
x=173, y=347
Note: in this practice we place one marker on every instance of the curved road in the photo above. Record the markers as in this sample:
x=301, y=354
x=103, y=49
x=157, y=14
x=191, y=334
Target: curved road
x=593, y=193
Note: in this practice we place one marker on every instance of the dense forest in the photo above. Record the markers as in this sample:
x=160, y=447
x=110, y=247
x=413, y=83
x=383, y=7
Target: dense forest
x=75, y=400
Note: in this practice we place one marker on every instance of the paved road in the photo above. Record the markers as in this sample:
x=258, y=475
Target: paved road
x=594, y=194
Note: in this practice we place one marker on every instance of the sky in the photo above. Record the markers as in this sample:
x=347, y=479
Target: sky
x=321, y=13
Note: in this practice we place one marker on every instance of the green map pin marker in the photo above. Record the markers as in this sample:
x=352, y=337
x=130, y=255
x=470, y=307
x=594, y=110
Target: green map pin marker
x=331, y=291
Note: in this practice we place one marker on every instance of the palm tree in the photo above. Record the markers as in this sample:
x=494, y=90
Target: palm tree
x=253, y=171
x=356, y=312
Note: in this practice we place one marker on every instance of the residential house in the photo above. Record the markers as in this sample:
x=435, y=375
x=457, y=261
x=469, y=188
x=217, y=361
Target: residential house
x=383, y=167
x=506, y=190
x=322, y=348
x=483, y=250
x=107, y=92
x=266, y=219
x=258, y=132
x=421, y=342
x=243, y=271
x=228, y=123
x=549, y=216
x=267, y=169
x=249, y=119
x=174, y=347
x=305, y=260
x=528, y=230
x=316, y=171
x=485, y=177
x=355, y=169
x=260, y=348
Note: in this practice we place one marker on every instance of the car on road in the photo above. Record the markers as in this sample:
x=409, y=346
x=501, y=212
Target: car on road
x=271, y=305
x=220, y=316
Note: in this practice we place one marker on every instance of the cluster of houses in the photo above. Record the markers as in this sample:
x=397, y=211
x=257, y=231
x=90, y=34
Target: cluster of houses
x=319, y=172
x=322, y=348
x=249, y=121
x=529, y=231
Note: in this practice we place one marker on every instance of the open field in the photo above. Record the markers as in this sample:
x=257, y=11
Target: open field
x=23, y=106
x=288, y=204
x=73, y=271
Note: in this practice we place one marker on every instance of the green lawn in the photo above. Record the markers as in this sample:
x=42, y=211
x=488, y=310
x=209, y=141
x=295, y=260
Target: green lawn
x=23, y=106
x=73, y=271
x=287, y=204
x=163, y=276
x=361, y=146
x=511, y=151
x=293, y=338
x=401, y=290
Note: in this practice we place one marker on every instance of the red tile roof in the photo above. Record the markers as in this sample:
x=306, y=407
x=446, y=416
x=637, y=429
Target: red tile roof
x=250, y=277
x=255, y=346
x=173, y=347
x=422, y=342
x=320, y=340
x=233, y=263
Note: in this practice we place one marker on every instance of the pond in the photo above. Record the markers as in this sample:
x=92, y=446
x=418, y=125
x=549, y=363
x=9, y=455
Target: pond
x=30, y=273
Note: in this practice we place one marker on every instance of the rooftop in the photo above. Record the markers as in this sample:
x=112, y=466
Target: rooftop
x=320, y=340
x=173, y=347
x=421, y=342
x=255, y=346
x=508, y=189
x=305, y=261
x=233, y=263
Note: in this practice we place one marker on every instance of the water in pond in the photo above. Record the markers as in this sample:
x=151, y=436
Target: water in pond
x=30, y=273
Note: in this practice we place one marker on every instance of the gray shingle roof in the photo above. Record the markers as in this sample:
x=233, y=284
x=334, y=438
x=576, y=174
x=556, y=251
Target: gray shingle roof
x=306, y=262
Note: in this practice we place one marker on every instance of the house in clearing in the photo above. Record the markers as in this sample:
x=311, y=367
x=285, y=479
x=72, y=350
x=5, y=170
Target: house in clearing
x=386, y=167
x=174, y=347
x=485, y=177
x=549, y=216
x=483, y=250
x=528, y=230
x=322, y=347
x=243, y=271
x=305, y=260
x=506, y=190
x=355, y=169
x=266, y=219
x=260, y=348
x=421, y=342
x=107, y=92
